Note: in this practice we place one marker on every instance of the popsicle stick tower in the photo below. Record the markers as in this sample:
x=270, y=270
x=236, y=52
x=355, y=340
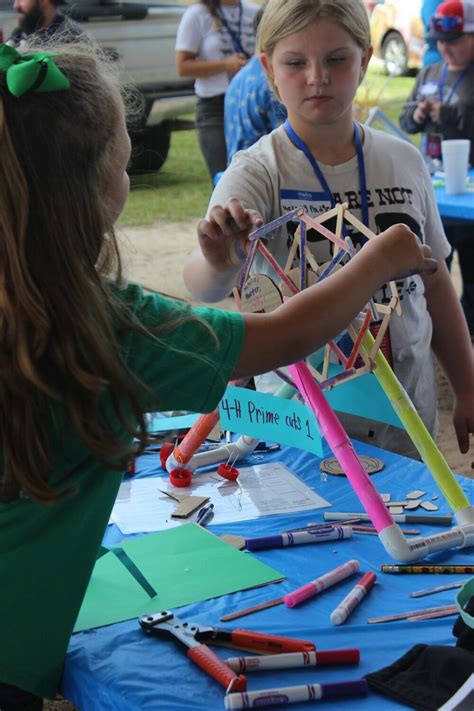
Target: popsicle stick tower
x=259, y=292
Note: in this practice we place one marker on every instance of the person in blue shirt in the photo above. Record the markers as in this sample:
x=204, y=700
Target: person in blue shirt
x=251, y=108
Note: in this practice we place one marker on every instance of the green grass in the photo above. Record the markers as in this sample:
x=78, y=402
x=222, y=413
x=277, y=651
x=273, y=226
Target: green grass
x=389, y=93
x=181, y=189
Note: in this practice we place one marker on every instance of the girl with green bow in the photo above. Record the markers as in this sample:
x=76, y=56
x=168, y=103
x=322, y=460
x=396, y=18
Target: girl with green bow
x=83, y=354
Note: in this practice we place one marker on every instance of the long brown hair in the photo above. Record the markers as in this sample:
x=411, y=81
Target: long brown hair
x=213, y=7
x=60, y=276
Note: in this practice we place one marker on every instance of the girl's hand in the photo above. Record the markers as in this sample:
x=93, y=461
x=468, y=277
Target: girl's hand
x=422, y=111
x=435, y=110
x=223, y=237
x=399, y=253
x=234, y=63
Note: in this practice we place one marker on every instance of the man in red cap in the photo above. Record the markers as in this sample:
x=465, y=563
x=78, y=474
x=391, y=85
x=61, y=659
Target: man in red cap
x=441, y=106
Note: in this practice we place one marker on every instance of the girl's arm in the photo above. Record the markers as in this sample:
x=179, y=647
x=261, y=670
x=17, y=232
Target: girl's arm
x=311, y=318
x=452, y=346
x=188, y=66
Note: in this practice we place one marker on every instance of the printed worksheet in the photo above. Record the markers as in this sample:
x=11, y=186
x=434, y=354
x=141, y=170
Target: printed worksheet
x=260, y=490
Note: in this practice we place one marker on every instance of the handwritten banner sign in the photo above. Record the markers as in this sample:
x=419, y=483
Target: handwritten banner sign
x=265, y=416
x=291, y=423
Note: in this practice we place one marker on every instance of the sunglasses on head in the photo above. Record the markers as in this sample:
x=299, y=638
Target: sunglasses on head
x=451, y=23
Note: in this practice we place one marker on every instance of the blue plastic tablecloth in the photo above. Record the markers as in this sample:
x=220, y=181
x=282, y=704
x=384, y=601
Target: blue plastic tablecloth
x=118, y=668
x=460, y=207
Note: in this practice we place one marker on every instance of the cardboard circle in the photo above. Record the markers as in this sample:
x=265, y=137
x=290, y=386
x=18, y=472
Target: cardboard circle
x=372, y=465
x=260, y=294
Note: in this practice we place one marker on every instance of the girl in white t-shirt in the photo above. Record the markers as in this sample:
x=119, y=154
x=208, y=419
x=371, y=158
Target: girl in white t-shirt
x=215, y=39
x=315, y=53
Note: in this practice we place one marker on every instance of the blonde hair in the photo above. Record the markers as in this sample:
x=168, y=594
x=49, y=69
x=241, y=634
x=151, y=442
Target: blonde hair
x=60, y=279
x=285, y=17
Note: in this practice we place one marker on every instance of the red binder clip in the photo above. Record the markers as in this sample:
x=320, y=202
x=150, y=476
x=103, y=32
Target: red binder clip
x=181, y=477
x=227, y=471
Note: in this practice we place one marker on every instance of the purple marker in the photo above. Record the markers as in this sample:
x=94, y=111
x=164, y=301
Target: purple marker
x=294, y=694
x=312, y=535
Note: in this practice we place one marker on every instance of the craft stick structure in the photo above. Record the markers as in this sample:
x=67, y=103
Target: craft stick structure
x=259, y=292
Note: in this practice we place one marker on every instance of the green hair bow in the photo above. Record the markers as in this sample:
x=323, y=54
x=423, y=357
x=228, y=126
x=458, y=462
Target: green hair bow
x=31, y=72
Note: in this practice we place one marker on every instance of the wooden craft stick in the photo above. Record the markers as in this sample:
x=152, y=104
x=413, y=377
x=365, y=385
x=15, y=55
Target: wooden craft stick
x=272, y=261
x=362, y=352
x=380, y=334
x=236, y=294
x=340, y=217
x=264, y=230
x=360, y=227
x=303, y=251
x=325, y=232
x=358, y=342
x=385, y=308
x=411, y=613
x=251, y=610
x=453, y=610
x=248, y=263
x=333, y=212
x=361, y=529
x=438, y=588
x=312, y=261
x=292, y=251
x=344, y=377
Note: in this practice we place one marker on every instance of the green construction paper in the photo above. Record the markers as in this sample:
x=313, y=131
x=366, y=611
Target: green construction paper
x=185, y=564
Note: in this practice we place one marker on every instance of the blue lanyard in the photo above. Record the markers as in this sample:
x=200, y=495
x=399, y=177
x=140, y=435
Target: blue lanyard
x=442, y=81
x=235, y=37
x=317, y=170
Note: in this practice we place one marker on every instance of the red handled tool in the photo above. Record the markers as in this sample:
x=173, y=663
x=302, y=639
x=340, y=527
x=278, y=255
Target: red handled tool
x=196, y=637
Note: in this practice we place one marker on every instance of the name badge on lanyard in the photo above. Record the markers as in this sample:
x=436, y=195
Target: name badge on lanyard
x=433, y=145
x=315, y=203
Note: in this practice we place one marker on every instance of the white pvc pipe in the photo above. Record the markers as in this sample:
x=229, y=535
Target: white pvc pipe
x=407, y=550
x=231, y=452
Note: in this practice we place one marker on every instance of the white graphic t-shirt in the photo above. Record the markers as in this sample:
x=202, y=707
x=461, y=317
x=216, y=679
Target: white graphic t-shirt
x=274, y=177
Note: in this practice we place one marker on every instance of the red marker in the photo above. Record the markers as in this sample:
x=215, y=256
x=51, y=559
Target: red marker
x=358, y=592
x=294, y=659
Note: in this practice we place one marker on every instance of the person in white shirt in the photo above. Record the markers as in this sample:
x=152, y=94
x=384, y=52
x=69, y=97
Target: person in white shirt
x=215, y=39
x=316, y=54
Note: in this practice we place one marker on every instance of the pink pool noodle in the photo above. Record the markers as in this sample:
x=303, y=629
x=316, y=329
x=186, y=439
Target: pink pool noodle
x=341, y=446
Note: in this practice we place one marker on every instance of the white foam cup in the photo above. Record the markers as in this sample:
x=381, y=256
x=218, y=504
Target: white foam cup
x=455, y=153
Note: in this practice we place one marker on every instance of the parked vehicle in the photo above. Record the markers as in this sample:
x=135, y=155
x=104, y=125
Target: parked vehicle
x=397, y=35
x=141, y=36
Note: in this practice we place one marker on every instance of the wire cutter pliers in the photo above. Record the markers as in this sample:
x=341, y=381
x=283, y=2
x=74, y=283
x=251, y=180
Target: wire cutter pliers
x=196, y=637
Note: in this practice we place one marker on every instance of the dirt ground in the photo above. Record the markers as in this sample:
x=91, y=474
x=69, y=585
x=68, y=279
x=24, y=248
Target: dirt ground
x=154, y=256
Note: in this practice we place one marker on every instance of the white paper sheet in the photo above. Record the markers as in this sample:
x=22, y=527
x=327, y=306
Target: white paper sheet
x=261, y=490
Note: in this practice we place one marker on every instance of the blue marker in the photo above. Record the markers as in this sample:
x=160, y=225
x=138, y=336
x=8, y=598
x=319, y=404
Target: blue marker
x=205, y=514
x=312, y=535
